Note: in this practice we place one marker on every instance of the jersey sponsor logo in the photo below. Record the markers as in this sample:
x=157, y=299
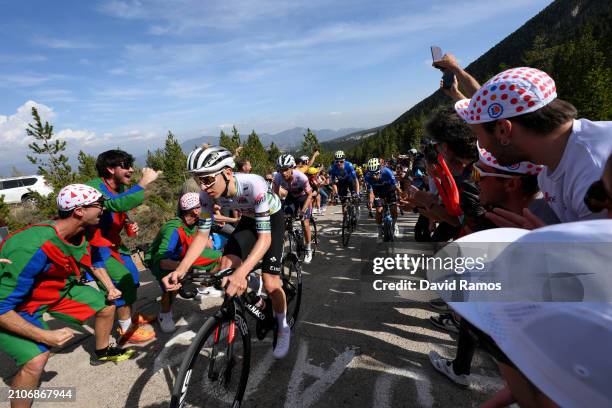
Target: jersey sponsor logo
x=275, y=268
x=260, y=198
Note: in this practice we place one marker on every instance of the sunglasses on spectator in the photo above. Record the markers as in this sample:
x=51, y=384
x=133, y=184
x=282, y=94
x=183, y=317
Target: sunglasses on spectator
x=98, y=204
x=208, y=180
x=269, y=180
x=597, y=198
x=125, y=165
x=478, y=174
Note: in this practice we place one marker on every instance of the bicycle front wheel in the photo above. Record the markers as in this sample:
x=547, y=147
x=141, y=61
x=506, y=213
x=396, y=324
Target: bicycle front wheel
x=346, y=228
x=291, y=277
x=215, y=369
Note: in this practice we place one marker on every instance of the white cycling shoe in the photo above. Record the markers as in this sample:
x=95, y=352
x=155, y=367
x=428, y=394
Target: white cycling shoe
x=283, y=340
x=308, y=256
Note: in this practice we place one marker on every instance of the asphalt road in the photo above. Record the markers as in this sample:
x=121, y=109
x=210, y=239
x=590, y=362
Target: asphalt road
x=345, y=351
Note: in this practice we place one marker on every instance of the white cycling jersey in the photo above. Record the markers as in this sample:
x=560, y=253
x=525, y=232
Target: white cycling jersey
x=252, y=199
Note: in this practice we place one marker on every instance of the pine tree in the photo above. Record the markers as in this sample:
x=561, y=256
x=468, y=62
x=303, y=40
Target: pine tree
x=310, y=144
x=174, y=161
x=51, y=161
x=226, y=141
x=235, y=140
x=256, y=153
x=87, y=167
x=273, y=153
x=155, y=159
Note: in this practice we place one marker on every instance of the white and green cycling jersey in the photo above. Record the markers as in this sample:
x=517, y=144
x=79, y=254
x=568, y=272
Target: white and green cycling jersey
x=252, y=199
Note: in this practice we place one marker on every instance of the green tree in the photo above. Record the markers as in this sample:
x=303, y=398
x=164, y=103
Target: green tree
x=310, y=144
x=235, y=140
x=86, y=168
x=48, y=153
x=226, y=141
x=256, y=153
x=273, y=153
x=155, y=159
x=174, y=161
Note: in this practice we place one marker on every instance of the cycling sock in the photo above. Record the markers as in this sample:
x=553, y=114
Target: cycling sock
x=308, y=246
x=125, y=324
x=282, y=321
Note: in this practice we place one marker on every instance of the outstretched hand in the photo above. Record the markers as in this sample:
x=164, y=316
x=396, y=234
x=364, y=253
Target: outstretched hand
x=507, y=219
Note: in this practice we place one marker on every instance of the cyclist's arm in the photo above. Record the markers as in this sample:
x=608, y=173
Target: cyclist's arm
x=307, y=202
x=223, y=218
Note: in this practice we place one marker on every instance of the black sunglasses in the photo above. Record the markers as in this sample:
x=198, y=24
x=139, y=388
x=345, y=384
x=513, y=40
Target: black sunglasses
x=597, y=198
x=125, y=165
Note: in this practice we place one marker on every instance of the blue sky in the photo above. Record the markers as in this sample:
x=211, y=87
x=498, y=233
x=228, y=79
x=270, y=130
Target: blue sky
x=124, y=72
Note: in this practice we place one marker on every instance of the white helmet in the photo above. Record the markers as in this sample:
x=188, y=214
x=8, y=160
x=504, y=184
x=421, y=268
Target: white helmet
x=304, y=159
x=374, y=164
x=413, y=151
x=285, y=161
x=209, y=160
x=339, y=155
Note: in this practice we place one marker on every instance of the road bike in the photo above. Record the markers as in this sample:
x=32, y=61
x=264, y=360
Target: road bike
x=349, y=218
x=217, y=363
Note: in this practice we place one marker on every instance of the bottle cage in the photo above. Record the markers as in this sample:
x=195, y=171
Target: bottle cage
x=447, y=188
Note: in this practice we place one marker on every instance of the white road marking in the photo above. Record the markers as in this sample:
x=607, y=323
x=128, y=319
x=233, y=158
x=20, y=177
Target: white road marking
x=343, y=293
x=325, y=377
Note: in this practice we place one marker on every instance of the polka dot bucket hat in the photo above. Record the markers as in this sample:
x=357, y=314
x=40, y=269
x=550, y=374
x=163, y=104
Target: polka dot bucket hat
x=524, y=167
x=510, y=93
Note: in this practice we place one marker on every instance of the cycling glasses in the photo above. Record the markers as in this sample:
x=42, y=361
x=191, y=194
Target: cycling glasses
x=208, y=180
x=597, y=198
x=478, y=174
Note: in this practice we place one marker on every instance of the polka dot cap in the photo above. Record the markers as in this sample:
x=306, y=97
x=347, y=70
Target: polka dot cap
x=189, y=201
x=76, y=195
x=524, y=167
x=510, y=93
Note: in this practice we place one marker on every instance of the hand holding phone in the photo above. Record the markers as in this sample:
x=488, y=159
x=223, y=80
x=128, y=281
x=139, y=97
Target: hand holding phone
x=448, y=77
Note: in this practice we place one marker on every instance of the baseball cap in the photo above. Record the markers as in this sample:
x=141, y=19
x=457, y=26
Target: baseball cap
x=524, y=167
x=510, y=93
x=77, y=195
x=560, y=346
x=189, y=201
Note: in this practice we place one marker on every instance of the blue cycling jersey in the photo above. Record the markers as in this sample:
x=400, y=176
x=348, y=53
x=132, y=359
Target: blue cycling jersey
x=342, y=174
x=386, y=182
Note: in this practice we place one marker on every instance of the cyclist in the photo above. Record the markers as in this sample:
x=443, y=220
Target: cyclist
x=343, y=178
x=43, y=277
x=259, y=234
x=382, y=185
x=292, y=185
x=115, y=168
x=170, y=246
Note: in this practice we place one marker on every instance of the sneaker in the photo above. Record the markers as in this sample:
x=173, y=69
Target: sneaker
x=315, y=211
x=445, y=322
x=167, y=325
x=439, y=305
x=396, y=230
x=323, y=209
x=136, y=334
x=114, y=354
x=145, y=319
x=308, y=256
x=283, y=339
x=445, y=366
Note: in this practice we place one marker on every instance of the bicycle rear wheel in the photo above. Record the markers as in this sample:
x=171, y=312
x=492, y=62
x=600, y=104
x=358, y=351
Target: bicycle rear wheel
x=314, y=240
x=216, y=365
x=388, y=230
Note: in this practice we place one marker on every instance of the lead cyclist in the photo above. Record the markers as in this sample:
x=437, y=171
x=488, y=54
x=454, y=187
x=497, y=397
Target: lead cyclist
x=258, y=235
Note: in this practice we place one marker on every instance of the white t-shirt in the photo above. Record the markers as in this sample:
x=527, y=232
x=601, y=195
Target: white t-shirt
x=582, y=163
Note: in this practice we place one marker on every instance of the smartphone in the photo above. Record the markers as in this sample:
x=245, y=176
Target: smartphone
x=436, y=53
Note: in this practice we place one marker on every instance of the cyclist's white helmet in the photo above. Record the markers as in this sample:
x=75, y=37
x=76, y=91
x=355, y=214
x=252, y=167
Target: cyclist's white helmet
x=209, y=160
x=285, y=161
x=339, y=155
x=413, y=151
x=304, y=159
x=374, y=164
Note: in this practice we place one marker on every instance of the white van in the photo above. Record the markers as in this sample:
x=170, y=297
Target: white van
x=19, y=189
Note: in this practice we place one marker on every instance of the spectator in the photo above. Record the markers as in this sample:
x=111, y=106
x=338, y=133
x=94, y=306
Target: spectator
x=45, y=255
x=115, y=170
x=517, y=116
x=243, y=165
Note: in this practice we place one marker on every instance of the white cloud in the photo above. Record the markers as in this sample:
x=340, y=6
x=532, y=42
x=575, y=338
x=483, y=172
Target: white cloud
x=26, y=80
x=13, y=127
x=60, y=43
x=82, y=137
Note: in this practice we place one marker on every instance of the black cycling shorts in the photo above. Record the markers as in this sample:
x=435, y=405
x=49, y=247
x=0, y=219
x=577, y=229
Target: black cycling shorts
x=343, y=187
x=243, y=239
x=389, y=197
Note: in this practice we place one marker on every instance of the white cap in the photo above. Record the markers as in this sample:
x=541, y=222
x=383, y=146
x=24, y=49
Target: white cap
x=561, y=347
x=76, y=195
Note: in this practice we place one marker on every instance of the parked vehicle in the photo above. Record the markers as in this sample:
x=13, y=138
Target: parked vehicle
x=20, y=189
